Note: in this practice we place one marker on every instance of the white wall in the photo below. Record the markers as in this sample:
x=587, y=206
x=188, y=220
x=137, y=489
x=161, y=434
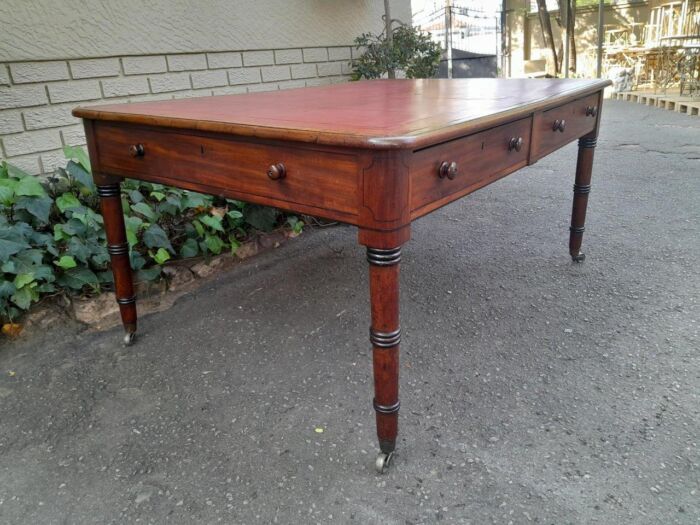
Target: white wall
x=56, y=55
x=50, y=29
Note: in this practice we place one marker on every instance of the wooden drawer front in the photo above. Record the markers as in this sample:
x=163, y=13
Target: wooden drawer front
x=314, y=177
x=481, y=158
x=547, y=139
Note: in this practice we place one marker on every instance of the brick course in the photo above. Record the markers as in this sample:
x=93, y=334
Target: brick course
x=36, y=98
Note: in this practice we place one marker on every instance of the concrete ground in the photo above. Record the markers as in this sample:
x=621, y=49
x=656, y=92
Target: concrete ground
x=534, y=390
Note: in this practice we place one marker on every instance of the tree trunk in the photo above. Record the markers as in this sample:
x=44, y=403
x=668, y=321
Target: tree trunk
x=546, y=27
x=572, y=36
x=571, y=25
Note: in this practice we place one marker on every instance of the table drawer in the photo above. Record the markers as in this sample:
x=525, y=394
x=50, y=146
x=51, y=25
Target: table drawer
x=480, y=158
x=323, y=179
x=558, y=126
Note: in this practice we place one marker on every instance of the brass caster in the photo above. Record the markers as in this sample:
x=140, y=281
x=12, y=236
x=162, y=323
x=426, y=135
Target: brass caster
x=383, y=461
x=578, y=258
x=129, y=338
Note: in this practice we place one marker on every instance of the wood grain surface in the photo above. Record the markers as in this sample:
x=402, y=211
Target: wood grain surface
x=373, y=114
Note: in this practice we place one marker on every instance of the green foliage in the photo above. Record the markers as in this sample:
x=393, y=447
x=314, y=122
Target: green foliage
x=411, y=51
x=52, y=237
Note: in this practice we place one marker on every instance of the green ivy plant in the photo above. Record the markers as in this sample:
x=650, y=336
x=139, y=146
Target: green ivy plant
x=410, y=50
x=52, y=237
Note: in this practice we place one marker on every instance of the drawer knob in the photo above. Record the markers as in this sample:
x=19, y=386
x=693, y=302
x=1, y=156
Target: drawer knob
x=448, y=169
x=559, y=125
x=516, y=143
x=277, y=171
x=136, y=150
x=591, y=111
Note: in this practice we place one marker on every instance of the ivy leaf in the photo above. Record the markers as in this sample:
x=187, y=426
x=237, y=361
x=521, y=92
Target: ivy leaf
x=145, y=210
x=6, y=289
x=235, y=214
x=189, y=249
x=78, y=154
x=157, y=195
x=30, y=187
x=77, y=278
x=24, y=296
x=212, y=221
x=135, y=196
x=214, y=244
x=160, y=256
x=16, y=173
x=8, y=248
x=39, y=207
x=261, y=217
x=67, y=201
x=133, y=225
x=23, y=279
x=7, y=191
x=155, y=237
x=78, y=249
x=196, y=200
x=149, y=274
x=66, y=262
x=81, y=175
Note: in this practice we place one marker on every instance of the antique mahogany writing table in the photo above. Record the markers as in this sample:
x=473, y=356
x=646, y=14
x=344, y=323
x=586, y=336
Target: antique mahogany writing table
x=376, y=154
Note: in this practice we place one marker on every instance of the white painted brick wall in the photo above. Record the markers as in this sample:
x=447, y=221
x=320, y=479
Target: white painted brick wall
x=328, y=69
x=339, y=53
x=10, y=122
x=244, y=75
x=315, y=54
x=141, y=65
x=170, y=82
x=275, y=73
x=31, y=142
x=4, y=76
x=49, y=117
x=22, y=96
x=304, y=70
x=203, y=79
x=288, y=56
x=187, y=62
x=224, y=60
x=121, y=87
x=36, y=98
x=258, y=58
x=95, y=67
x=26, y=72
x=74, y=91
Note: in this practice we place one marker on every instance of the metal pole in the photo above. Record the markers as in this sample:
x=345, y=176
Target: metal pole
x=565, y=21
x=448, y=37
x=599, y=68
x=504, y=41
x=389, y=33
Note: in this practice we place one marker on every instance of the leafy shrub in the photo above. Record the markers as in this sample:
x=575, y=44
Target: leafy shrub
x=52, y=238
x=411, y=51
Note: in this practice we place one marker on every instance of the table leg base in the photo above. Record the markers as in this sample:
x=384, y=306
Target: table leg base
x=578, y=257
x=129, y=337
x=383, y=462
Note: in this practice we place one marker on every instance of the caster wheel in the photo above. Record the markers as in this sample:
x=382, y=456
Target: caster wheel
x=129, y=338
x=578, y=258
x=383, y=461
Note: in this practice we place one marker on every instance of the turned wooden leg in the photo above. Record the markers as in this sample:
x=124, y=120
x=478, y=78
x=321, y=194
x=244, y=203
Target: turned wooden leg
x=118, y=248
x=385, y=335
x=582, y=187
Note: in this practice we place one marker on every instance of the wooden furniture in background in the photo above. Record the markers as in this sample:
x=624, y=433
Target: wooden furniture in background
x=375, y=154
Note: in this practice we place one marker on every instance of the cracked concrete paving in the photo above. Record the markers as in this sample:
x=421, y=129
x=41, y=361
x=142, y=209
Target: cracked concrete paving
x=533, y=390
